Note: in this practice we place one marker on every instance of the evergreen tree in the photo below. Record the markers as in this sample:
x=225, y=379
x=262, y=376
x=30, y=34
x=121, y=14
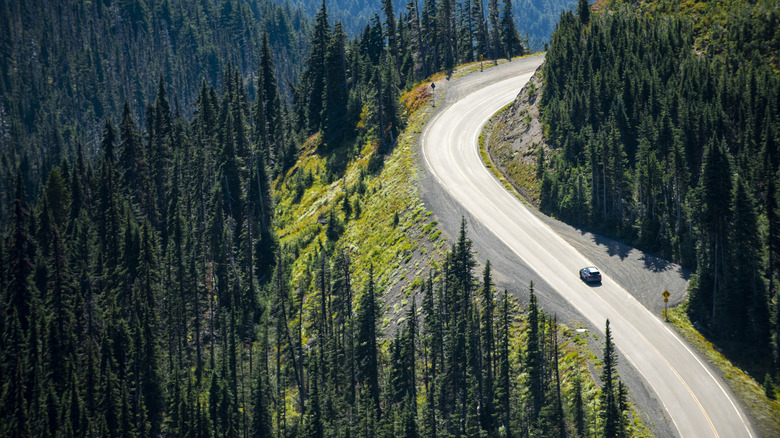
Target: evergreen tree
x=335, y=121
x=583, y=11
x=429, y=24
x=496, y=44
x=132, y=160
x=716, y=179
x=577, y=405
x=390, y=28
x=150, y=396
x=259, y=197
x=16, y=322
x=409, y=414
x=447, y=33
x=366, y=347
x=388, y=96
x=57, y=198
x=19, y=292
x=744, y=289
x=314, y=76
x=268, y=109
x=510, y=39
x=481, y=35
x=504, y=372
x=433, y=344
x=533, y=357
x=108, y=209
x=488, y=346
x=610, y=414
x=313, y=423
x=159, y=131
x=228, y=177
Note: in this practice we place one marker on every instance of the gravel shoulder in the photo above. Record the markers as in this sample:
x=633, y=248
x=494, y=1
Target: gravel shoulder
x=645, y=276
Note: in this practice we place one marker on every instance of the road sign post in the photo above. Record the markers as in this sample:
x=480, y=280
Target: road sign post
x=433, y=96
x=666, y=301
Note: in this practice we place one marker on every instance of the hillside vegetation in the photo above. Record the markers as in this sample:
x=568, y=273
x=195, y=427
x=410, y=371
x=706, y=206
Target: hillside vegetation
x=66, y=66
x=241, y=263
x=534, y=18
x=660, y=127
x=674, y=151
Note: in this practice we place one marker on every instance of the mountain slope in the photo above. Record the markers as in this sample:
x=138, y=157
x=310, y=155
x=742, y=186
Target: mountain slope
x=66, y=66
x=534, y=18
x=644, y=110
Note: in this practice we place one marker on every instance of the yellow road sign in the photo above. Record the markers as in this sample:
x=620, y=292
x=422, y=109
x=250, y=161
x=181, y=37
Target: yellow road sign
x=666, y=295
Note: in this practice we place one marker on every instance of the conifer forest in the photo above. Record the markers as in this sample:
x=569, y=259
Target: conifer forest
x=145, y=288
x=146, y=146
x=666, y=126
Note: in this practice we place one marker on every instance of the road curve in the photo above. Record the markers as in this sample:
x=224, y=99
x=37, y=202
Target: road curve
x=695, y=398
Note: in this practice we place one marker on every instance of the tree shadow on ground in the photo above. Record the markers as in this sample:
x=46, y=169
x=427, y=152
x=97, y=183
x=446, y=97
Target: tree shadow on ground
x=623, y=250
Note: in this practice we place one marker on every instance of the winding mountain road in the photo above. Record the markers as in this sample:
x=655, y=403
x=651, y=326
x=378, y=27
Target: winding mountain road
x=696, y=400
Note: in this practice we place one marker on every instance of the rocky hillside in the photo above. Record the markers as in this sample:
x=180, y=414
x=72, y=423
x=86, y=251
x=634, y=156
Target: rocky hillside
x=515, y=137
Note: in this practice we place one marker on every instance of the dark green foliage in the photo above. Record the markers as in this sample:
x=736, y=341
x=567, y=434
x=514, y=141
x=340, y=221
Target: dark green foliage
x=488, y=345
x=314, y=77
x=610, y=410
x=366, y=336
x=66, y=67
x=769, y=387
x=504, y=367
x=167, y=340
x=145, y=291
x=672, y=151
x=336, y=96
x=534, y=17
x=583, y=11
x=510, y=38
x=19, y=291
x=532, y=362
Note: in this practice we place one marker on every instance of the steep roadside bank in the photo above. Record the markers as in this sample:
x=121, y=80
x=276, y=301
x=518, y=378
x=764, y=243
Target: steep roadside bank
x=511, y=143
x=513, y=139
x=509, y=271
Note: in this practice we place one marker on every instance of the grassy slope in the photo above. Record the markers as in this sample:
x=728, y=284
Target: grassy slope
x=764, y=411
x=403, y=253
x=399, y=253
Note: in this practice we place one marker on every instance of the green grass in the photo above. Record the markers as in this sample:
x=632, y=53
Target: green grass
x=488, y=162
x=765, y=412
x=400, y=254
x=372, y=238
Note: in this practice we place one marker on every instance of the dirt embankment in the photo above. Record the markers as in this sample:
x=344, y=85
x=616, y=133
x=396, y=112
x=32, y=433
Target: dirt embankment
x=513, y=139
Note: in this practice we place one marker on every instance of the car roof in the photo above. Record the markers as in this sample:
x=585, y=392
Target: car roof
x=591, y=269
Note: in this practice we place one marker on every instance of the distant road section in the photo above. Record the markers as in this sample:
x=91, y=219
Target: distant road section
x=698, y=402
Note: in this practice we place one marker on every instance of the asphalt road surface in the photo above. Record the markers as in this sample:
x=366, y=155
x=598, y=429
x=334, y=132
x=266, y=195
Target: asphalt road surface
x=695, y=398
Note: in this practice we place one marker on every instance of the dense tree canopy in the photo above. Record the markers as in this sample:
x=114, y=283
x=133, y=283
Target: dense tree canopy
x=665, y=133
x=145, y=291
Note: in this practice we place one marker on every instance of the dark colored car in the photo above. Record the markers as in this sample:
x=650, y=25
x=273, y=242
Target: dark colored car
x=590, y=275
